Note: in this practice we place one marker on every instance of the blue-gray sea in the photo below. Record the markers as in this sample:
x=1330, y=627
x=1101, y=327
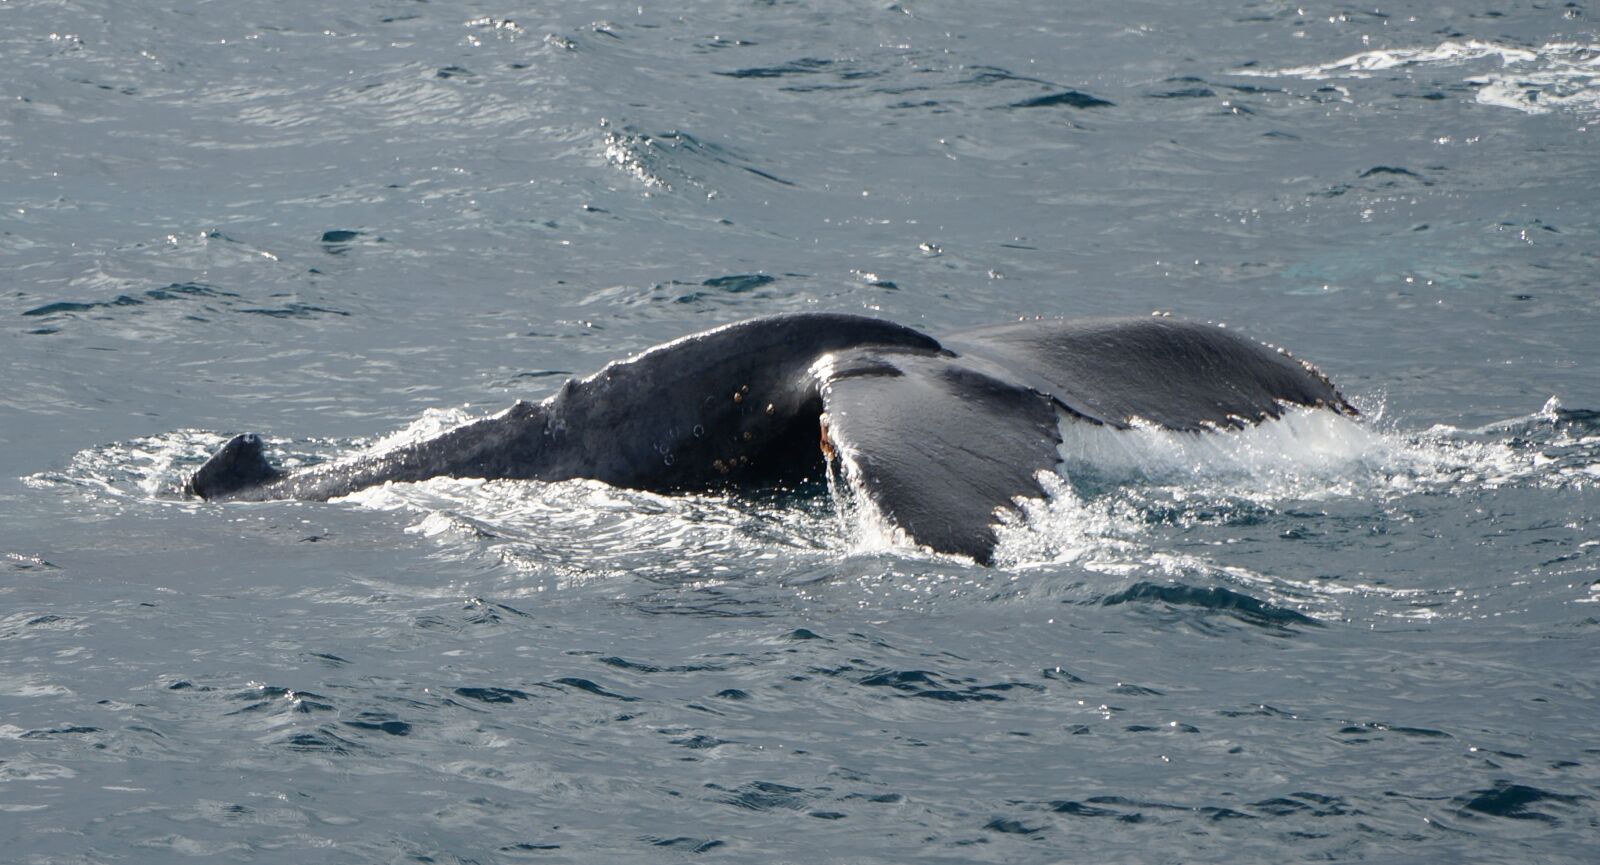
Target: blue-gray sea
x=342, y=223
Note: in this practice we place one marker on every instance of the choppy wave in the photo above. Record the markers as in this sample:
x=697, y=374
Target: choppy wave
x=1534, y=80
x=1180, y=507
x=676, y=159
x=1366, y=641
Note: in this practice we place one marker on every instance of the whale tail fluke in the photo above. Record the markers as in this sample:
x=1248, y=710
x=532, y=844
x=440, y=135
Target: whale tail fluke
x=240, y=464
x=937, y=446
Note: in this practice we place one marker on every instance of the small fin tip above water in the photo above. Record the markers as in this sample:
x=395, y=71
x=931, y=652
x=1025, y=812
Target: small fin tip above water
x=240, y=463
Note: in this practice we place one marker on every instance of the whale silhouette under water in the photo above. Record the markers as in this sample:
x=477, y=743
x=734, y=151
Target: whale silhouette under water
x=939, y=435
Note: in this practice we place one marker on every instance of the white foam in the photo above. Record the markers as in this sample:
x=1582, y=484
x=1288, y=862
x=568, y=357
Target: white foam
x=1095, y=513
x=1304, y=448
x=1308, y=454
x=1568, y=79
x=1119, y=499
x=1563, y=75
x=1363, y=64
x=861, y=523
x=583, y=530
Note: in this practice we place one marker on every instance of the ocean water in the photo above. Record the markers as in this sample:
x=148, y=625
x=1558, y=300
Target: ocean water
x=337, y=224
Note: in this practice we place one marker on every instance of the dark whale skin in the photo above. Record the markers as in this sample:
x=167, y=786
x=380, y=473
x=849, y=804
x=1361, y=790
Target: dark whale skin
x=938, y=435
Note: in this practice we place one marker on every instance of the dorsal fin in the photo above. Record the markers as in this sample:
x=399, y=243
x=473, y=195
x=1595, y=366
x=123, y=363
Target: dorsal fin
x=239, y=464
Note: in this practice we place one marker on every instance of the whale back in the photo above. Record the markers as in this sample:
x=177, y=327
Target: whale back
x=736, y=405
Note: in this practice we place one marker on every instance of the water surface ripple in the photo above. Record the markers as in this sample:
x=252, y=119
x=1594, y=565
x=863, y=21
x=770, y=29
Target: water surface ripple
x=347, y=225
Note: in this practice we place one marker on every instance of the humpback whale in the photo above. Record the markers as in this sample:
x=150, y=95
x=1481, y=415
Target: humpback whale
x=938, y=435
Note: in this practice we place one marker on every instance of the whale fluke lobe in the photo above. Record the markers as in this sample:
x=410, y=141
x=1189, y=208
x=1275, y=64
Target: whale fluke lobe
x=239, y=465
x=938, y=436
x=938, y=446
x=1175, y=374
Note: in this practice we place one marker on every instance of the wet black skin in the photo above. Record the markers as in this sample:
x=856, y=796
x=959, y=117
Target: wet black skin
x=727, y=406
x=938, y=436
